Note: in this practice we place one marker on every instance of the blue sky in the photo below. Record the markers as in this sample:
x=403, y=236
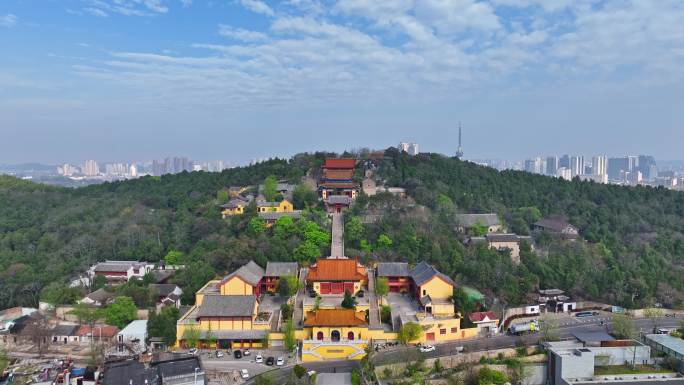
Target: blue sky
x=243, y=79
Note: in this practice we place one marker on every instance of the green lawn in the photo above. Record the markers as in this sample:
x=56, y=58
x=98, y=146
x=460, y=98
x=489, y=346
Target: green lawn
x=627, y=369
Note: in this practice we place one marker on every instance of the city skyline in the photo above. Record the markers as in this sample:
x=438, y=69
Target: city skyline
x=248, y=79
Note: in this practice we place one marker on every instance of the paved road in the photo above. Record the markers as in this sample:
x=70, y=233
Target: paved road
x=565, y=330
x=337, y=245
x=373, y=312
x=281, y=375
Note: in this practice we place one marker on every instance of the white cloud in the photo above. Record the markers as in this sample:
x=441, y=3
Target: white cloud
x=96, y=12
x=102, y=8
x=8, y=20
x=240, y=34
x=186, y=3
x=457, y=15
x=257, y=6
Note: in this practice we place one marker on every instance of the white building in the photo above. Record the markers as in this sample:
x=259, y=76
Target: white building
x=121, y=270
x=90, y=168
x=409, y=148
x=599, y=165
x=577, y=165
x=131, y=340
x=564, y=173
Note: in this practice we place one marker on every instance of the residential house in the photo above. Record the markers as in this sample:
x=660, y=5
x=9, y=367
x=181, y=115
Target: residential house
x=243, y=281
x=64, y=334
x=274, y=272
x=283, y=206
x=433, y=289
x=558, y=226
x=235, y=206
x=8, y=316
x=99, y=333
x=99, y=297
x=501, y=242
x=236, y=191
x=271, y=217
x=182, y=370
x=131, y=340
x=466, y=222
x=486, y=321
x=121, y=271
x=168, y=294
x=397, y=274
x=335, y=276
x=338, y=178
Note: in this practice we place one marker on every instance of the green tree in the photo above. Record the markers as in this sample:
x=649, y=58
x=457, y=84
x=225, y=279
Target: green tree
x=384, y=242
x=99, y=282
x=192, y=336
x=463, y=304
x=4, y=359
x=303, y=196
x=257, y=225
x=210, y=337
x=173, y=257
x=121, y=312
x=348, y=302
x=479, y=229
x=270, y=188
x=381, y=286
x=265, y=379
x=353, y=231
x=56, y=293
x=307, y=251
x=623, y=326
x=288, y=285
x=299, y=371
x=548, y=328
x=222, y=196
x=488, y=376
x=286, y=311
x=654, y=314
x=284, y=227
x=410, y=331
x=289, y=339
x=86, y=315
x=163, y=324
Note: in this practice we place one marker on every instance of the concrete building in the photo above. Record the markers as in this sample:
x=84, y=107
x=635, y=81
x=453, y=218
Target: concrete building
x=90, y=168
x=577, y=165
x=121, y=271
x=564, y=173
x=409, y=148
x=466, y=222
x=552, y=165
x=599, y=165
x=131, y=340
x=503, y=242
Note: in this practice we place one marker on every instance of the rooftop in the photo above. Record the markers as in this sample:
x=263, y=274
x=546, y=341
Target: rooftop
x=424, y=272
x=272, y=215
x=336, y=270
x=280, y=269
x=104, y=331
x=393, y=269
x=64, y=330
x=227, y=306
x=335, y=317
x=333, y=379
x=339, y=163
x=339, y=200
x=483, y=316
x=673, y=343
x=250, y=273
x=135, y=327
x=470, y=220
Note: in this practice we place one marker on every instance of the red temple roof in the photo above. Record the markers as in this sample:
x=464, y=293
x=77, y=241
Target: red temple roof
x=340, y=163
x=336, y=270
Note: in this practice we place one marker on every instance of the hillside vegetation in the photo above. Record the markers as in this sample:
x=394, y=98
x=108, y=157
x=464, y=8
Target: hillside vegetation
x=633, y=254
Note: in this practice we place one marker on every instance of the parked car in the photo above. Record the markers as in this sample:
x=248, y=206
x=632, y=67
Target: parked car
x=312, y=294
x=244, y=373
x=259, y=359
x=237, y=354
x=192, y=351
x=246, y=352
x=280, y=361
x=427, y=348
x=311, y=373
x=270, y=361
x=360, y=294
x=219, y=354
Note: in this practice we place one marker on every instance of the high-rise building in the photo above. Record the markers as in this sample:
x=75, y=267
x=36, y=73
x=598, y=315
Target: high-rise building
x=409, y=148
x=564, y=161
x=616, y=168
x=647, y=166
x=133, y=171
x=90, y=168
x=551, y=165
x=534, y=165
x=564, y=173
x=577, y=165
x=599, y=165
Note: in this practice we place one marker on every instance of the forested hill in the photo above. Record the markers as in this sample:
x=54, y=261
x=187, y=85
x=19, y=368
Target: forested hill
x=634, y=250
x=631, y=251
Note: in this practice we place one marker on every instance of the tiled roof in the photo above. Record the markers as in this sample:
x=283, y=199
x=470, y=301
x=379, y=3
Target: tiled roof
x=105, y=331
x=336, y=270
x=393, y=269
x=234, y=203
x=338, y=185
x=250, y=273
x=227, y=306
x=339, y=200
x=481, y=315
x=340, y=163
x=557, y=224
x=423, y=272
x=280, y=269
x=272, y=215
x=163, y=289
x=338, y=174
x=335, y=317
x=100, y=295
x=494, y=237
x=469, y=220
x=64, y=330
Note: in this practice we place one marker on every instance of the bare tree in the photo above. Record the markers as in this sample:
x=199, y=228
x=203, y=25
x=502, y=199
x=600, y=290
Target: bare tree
x=38, y=330
x=654, y=314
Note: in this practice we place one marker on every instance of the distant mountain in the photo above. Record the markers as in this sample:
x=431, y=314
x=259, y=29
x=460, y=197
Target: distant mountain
x=28, y=167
